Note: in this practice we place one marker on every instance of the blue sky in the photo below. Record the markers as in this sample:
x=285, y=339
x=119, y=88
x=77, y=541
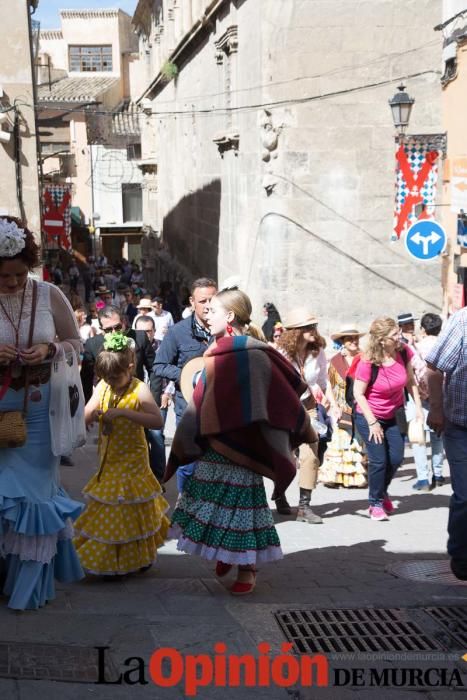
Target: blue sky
x=47, y=12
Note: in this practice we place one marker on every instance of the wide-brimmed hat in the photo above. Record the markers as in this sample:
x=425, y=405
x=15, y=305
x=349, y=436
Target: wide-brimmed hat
x=102, y=289
x=299, y=318
x=144, y=304
x=406, y=318
x=190, y=375
x=346, y=329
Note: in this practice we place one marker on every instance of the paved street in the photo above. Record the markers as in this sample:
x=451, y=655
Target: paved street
x=180, y=603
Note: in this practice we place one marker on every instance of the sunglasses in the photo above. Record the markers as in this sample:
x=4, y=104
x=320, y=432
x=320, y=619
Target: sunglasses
x=110, y=329
x=311, y=327
x=277, y=335
x=350, y=338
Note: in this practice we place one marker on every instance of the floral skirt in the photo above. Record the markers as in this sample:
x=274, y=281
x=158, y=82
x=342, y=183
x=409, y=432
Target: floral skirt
x=223, y=514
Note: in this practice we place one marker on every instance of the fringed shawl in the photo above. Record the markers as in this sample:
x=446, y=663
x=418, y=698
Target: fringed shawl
x=247, y=407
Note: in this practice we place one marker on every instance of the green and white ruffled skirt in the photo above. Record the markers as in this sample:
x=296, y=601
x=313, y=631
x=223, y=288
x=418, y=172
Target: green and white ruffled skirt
x=223, y=514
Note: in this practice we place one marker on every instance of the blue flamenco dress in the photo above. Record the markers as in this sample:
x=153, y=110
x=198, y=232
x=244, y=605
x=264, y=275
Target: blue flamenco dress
x=36, y=514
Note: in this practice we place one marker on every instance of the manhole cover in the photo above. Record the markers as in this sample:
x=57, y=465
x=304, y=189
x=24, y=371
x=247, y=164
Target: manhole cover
x=72, y=664
x=367, y=630
x=426, y=571
x=453, y=620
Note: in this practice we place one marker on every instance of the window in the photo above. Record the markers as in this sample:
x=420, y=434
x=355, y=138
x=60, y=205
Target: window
x=90, y=58
x=132, y=197
x=49, y=148
x=133, y=151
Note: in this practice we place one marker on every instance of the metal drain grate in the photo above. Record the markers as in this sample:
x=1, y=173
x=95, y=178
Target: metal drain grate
x=368, y=630
x=453, y=620
x=426, y=571
x=73, y=664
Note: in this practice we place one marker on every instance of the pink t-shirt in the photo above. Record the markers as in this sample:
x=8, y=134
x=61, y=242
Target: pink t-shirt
x=386, y=395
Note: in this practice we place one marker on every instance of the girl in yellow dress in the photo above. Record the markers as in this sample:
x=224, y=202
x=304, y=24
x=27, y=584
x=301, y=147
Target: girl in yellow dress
x=124, y=522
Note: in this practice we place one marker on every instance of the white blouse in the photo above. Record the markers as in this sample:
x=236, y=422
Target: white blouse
x=54, y=320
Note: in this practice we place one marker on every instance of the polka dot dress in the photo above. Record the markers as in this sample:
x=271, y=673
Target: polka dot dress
x=124, y=522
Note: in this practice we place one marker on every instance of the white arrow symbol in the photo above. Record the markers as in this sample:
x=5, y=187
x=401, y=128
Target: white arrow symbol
x=433, y=238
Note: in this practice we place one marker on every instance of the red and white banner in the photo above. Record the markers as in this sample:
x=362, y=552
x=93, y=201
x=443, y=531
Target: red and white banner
x=56, y=221
x=416, y=180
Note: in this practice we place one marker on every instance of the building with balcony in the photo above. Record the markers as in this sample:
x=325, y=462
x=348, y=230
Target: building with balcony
x=89, y=129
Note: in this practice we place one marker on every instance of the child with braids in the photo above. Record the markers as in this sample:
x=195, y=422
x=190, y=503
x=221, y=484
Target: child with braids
x=124, y=522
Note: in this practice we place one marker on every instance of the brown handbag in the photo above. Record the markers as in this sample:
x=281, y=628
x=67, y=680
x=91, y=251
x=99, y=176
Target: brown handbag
x=13, y=431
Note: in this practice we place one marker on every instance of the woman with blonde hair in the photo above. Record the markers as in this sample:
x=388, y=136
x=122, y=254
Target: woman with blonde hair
x=381, y=377
x=242, y=423
x=303, y=346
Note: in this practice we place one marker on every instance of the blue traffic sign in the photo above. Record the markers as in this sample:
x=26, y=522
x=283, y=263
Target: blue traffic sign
x=425, y=240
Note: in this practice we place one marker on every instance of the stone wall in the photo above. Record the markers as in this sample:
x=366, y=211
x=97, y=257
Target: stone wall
x=298, y=196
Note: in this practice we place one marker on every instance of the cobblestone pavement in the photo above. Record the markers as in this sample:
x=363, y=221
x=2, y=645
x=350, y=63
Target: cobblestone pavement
x=180, y=603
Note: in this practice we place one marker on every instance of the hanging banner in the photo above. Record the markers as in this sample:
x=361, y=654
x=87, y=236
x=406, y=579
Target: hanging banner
x=57, y=215
x=416, y=180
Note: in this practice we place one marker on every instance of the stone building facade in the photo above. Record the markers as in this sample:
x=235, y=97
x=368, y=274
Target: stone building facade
x=454, y=80
x=19, y=183
x=271, y=147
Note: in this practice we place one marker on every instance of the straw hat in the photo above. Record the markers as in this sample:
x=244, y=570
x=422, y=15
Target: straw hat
x=346, y=329
x=190, y=375
x=299, y=318
x=144, y=304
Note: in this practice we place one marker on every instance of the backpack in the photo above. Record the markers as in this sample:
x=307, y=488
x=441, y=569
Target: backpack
x=350, y=378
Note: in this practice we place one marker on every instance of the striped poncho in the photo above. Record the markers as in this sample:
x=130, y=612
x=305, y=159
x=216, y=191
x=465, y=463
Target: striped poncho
x=247, y=407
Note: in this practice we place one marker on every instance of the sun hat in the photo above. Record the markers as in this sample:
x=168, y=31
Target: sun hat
x=346, y=329
x=145, y=303
x=190, y=375
x=299, y=318
x=102, y=289
x=406, y=318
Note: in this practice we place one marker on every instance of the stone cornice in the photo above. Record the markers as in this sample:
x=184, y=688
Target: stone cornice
x=90, y=14
x=50, y=34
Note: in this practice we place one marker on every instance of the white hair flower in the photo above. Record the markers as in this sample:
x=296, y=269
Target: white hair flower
x=12, y=239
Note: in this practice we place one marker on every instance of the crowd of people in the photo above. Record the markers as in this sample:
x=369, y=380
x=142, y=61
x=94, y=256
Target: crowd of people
x=249, y=403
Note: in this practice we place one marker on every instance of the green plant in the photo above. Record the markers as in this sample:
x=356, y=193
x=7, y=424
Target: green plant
x=169, y=71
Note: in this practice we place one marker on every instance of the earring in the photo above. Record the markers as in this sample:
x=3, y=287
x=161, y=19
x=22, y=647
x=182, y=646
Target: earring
x=229, y=329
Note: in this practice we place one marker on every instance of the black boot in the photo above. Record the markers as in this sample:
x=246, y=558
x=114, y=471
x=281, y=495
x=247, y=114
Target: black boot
x=304, y=513
x=282, y=505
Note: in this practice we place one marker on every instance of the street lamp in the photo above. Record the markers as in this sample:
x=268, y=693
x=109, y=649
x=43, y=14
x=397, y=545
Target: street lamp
x=401, y=107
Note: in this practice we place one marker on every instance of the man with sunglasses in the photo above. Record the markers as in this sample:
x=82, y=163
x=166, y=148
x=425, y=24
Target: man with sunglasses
x=112, y=320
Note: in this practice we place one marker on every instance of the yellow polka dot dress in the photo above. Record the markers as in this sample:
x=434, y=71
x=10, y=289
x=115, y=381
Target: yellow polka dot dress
x=124, y=522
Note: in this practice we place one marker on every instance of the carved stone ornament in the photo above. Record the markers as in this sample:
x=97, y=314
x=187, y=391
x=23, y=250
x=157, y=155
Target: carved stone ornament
x=227, y=44
x=227, y=142
x=269, y=135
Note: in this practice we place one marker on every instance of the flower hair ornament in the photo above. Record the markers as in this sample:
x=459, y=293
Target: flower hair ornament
x=117, y=342
x=12, y=239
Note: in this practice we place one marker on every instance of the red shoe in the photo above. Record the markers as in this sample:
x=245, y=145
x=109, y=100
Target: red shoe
x=241, y=588
x=222, y=569
x=388, y=505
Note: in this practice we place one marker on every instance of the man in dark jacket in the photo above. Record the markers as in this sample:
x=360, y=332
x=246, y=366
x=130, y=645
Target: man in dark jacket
x=111, y=320
x=186, y=339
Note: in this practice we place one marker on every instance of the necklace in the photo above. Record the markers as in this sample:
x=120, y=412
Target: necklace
x=114, y=400
x=16, y=367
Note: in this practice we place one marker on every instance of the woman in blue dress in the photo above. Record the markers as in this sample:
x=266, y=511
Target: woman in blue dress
x=35, y=513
